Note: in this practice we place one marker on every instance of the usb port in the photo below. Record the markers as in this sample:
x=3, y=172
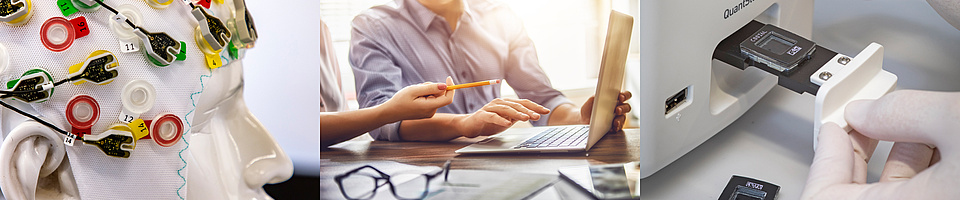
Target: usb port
x=674, y=101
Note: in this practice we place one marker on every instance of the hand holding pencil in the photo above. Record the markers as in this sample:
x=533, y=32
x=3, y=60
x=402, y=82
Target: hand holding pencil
x=474, y=84
x=418, y=101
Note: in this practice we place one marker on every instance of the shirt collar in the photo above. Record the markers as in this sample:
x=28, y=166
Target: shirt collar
x=423, y=16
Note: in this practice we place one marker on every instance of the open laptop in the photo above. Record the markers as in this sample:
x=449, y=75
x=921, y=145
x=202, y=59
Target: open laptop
x=574, y=137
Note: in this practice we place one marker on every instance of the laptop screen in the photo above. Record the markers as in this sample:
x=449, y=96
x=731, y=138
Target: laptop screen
x=612, y=66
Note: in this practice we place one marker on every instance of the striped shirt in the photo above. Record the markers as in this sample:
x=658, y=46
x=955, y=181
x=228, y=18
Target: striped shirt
x=403, y=43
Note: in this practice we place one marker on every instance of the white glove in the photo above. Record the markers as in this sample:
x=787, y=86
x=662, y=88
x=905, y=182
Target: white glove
x=913, y=170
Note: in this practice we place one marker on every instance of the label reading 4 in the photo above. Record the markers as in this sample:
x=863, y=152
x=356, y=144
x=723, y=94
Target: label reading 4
x=213, y=61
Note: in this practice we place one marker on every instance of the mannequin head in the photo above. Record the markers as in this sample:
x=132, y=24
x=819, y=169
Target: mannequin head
x=233, y=154
x=224, y=151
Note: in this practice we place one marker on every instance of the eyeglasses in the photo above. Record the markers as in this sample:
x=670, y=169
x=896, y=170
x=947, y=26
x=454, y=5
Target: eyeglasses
x=363, y=182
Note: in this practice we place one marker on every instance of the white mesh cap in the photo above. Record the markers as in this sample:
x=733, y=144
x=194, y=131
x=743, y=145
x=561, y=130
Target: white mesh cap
x=151, y=171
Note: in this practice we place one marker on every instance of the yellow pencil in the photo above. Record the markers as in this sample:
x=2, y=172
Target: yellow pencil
x=474, y=84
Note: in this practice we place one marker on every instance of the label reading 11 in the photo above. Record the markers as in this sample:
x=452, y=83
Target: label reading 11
x=127, y=47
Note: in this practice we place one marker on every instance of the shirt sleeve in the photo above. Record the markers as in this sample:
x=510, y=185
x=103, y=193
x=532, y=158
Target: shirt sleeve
x=331, y=96
x=524, y=74
x=377, y=77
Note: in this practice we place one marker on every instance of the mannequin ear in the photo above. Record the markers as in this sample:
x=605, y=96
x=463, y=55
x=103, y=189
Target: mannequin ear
x=29, y=155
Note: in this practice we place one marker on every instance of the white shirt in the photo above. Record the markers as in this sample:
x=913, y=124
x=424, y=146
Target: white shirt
x=331, y=96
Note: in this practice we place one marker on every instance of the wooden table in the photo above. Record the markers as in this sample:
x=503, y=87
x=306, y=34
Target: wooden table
x=613, y=148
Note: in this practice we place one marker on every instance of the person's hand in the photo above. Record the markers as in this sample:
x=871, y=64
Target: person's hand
x=419, y=101
x=620, y=111
x=914, y=170
x=498, y=115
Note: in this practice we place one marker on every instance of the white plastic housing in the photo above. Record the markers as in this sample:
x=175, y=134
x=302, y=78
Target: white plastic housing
x=676, y=41
x=861, y=78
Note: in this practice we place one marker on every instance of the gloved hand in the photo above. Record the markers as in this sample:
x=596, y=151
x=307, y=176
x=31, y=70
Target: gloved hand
x=914, y=170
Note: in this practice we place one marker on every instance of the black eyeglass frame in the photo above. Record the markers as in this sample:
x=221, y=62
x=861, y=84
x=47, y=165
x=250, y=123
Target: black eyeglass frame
x=386, y=177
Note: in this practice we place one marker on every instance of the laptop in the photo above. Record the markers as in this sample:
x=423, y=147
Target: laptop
x=574, y=138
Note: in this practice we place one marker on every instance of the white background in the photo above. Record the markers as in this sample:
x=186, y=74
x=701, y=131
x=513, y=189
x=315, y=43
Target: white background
x=282, y=76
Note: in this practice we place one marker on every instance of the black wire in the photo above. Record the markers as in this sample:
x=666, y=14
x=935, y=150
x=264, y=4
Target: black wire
x=115, y=12
x=37, y=119
x=58, y=83
x=45, y=123
x=21, y=91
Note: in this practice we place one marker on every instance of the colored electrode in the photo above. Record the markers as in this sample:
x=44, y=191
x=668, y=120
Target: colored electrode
x=116, y=141
x=212, y=36
x=246, y=30
x=35, y=85
x=15, y=13
x=166, y=129
x=57, y=34
x=82, y=113
x=212, y=33
x=159, y=48
x=100, y=68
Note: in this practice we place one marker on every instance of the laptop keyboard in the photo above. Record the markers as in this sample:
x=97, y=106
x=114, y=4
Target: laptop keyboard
x=558, y=137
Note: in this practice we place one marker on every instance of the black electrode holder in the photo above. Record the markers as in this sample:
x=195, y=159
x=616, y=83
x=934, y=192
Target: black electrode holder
x=797, y=80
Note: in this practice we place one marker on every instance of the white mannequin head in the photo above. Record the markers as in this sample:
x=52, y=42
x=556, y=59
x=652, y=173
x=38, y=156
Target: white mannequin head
x=233, y=154
x=226, y=153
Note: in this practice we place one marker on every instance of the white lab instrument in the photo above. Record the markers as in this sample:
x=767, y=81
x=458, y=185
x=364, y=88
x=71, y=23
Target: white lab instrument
x=684, y=94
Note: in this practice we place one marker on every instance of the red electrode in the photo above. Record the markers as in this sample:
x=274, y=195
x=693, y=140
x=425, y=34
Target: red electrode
x=57, y=34
x=157, y=135
x=82, y=113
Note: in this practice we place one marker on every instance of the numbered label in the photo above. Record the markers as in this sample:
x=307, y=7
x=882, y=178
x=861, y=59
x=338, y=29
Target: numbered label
x=69, y=140
x=213, y=61
x=66, y=7
x=128, y=47
x=139, y=128
x=125, y=118
x=80, y=26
